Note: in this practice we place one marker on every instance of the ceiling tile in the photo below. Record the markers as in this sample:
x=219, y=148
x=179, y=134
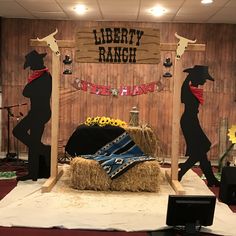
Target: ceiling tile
x=93, y=12
x=151, y=18
x=201, y=10
x=197, y=3
x=231, y=3
x=40, y=6
x=191, y=18
x=164, y=3
x=194, y=11
x=9, y=8
x=51, y=15
x=121, y=7
x=226, y=15
x=170, y=6
x=120, y=17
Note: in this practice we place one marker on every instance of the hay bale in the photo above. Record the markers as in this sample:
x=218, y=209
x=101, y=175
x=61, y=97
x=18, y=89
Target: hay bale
x=144, y=176
x=146, y=139
x=88, y=174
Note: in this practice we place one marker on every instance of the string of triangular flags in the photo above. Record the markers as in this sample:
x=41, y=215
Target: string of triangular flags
x=123, y=90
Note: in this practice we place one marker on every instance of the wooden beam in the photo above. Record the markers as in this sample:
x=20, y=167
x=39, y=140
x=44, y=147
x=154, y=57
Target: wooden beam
x=61, y=43
x=175, y=184
x=50, y=182
x=163, y=46
x=191, y=47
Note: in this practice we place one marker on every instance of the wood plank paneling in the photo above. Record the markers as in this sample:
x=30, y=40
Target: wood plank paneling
x=155, y=108
x=0, y=50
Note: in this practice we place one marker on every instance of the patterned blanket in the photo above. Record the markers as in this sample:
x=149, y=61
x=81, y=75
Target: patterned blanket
x=119, y=155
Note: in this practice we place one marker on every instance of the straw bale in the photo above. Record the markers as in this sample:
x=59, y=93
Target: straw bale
x=88, y=174
x=146, y=139
x=144, y=176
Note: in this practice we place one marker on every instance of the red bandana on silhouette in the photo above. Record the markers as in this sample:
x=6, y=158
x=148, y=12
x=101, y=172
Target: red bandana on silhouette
x=198, y=93
x=36, y=74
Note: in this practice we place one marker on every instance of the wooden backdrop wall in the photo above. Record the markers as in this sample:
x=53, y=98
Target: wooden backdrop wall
x=155, y=108
x=0, y=50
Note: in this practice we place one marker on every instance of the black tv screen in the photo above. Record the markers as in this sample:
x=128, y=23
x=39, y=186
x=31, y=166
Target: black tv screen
x=183, y=210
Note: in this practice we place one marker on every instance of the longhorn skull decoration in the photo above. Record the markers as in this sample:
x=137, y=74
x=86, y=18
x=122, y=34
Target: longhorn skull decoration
x=51, y=42
x=182, y=45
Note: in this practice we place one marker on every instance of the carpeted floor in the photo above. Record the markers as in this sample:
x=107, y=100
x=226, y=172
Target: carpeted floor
x=17, y=231
x=7, y=185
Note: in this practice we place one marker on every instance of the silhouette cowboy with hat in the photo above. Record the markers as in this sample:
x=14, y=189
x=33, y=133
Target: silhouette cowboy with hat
x=30, y=129
x=197, y=143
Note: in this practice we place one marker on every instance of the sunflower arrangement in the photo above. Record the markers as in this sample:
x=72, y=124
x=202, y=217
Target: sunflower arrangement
x=103, y=121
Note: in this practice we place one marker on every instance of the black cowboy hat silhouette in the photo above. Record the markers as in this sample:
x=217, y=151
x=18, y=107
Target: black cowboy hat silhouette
x=199, y=71
x=34, y=60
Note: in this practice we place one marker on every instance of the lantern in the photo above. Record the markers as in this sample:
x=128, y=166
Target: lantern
x=134, y=117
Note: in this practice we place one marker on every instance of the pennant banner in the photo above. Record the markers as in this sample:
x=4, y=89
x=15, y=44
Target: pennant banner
x=123, y=90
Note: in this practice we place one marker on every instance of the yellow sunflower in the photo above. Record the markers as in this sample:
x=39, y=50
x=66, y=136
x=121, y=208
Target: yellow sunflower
x=116, y=122
x=88, y=121
x=232, y=134
x=123, y=124
x=96, y=120
x=107, y=121
x=102, y=121
x=112, y=122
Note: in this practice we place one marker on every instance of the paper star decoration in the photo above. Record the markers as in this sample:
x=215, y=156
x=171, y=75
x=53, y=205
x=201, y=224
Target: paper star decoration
x=114, y=92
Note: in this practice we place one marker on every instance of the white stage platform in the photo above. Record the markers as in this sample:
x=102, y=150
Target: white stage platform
x=64, y=207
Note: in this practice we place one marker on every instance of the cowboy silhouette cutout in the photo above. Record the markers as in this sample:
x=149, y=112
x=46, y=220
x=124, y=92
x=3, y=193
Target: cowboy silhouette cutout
x=197, y=143
x=30, y=129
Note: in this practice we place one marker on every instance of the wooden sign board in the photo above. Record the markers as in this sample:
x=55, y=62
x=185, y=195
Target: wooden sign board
x=118, y=45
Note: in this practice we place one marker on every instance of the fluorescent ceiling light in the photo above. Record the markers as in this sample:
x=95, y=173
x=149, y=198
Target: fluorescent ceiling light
x=206, y=1
x=158, y=11
x=80, y=9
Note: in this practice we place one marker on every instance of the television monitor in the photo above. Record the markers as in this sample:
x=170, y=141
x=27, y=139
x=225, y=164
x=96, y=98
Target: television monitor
x=190, y=211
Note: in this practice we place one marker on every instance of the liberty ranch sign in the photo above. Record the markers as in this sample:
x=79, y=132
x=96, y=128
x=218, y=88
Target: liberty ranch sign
x=118, y=45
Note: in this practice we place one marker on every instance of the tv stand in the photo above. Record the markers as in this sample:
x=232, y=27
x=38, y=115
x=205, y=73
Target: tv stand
x=191, y=229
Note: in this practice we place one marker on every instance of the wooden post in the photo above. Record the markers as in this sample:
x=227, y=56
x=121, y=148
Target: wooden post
x=176, y=119
x=47, y=186
x=173, y=176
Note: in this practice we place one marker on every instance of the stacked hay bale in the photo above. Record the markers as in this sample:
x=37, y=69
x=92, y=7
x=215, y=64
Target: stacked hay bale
x=89, y=175
x=145, y=138
x=144, y=176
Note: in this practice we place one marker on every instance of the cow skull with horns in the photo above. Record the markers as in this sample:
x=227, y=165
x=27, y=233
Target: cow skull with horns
x=51, y=42
x=182, y=45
